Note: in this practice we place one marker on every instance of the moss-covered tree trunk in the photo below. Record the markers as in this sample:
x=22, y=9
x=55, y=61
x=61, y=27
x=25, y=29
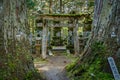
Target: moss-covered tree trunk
x=15, y=60
x=104, y=42
x=106, y=25
x=1, y=27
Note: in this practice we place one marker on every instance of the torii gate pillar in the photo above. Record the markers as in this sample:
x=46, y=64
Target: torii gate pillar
x=76, y=39
x=44, y=40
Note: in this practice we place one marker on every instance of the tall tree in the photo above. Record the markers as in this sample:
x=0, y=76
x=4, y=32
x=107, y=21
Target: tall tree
x=106, y=24
x=15, y=60
x=104, y=42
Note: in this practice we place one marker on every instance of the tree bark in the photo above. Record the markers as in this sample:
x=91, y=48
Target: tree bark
x=106, y=31
x=1, y=27
x=106, y=25
x=14, y=45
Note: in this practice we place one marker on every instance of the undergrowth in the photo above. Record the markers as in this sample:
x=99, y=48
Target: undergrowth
x=18, y=66
x=92, y=67
x=12, y=68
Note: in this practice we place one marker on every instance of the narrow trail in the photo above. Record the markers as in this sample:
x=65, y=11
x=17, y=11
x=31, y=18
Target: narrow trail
x=53, y=69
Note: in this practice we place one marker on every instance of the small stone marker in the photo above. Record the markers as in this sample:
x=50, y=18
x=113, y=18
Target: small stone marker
x=59, y=47
x=114, y=68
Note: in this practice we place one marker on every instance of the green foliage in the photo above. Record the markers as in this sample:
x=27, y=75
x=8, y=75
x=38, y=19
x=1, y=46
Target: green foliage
x=72, y=65
x=88, y=22
x=91, y=4
x=29, y=75
x=8, y=68
x=57, y=41
x=32, y=75
x=87, y=28
x=70, y=47
x=95, y=71
x=98, y=48
x=30, y=4
x=80, y=3
x=13, y=66
x=67, y=15
x=92, y=67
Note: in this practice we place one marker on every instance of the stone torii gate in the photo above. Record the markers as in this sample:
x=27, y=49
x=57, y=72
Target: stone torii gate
x=61, y=17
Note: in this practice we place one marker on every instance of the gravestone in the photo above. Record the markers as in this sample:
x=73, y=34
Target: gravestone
x=114, y=68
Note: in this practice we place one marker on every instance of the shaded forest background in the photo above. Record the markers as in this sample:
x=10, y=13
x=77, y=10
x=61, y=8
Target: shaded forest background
x=16, y=62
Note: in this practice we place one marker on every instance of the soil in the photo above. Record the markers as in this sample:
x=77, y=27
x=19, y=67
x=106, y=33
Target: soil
x=53, y=68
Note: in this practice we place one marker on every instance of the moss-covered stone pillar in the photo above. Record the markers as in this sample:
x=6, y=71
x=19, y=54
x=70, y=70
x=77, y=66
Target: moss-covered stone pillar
x=76, y=39
x=44, y=40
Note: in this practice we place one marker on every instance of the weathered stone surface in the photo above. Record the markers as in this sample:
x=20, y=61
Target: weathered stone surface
x=114, y=68
x=44, y=40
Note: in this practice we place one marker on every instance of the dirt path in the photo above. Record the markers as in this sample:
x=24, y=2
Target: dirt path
x=53, y=69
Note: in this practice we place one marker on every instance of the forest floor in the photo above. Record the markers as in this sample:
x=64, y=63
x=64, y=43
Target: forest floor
x=53, y=67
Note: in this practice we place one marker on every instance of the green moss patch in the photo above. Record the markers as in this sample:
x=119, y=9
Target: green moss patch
x=93, y=67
